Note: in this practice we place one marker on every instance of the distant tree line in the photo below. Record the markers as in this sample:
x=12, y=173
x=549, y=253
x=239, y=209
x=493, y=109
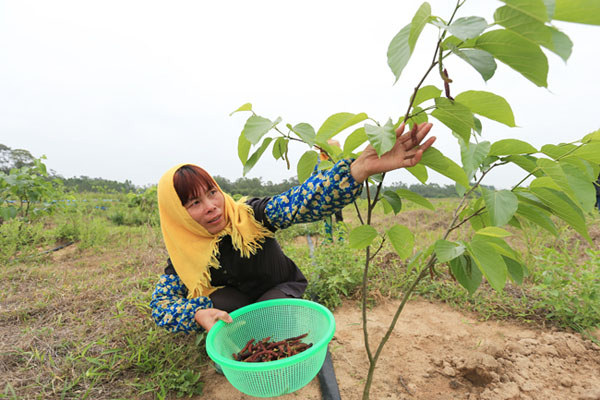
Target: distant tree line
x=252, y=187
x=99, y=185
x=255, y=187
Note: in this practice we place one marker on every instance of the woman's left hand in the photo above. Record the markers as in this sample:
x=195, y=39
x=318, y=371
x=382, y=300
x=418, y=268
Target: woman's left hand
x=405, y=153
x=207, y=317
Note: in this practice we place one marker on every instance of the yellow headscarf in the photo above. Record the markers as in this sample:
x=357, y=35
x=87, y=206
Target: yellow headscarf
x=193, y=250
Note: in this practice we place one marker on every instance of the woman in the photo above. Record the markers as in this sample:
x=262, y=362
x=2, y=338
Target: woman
x=222, y=254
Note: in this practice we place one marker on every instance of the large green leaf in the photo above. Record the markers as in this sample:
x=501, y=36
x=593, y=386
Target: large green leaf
x=517, y=52
x=582, y=188
x=426, y=93
x=555, y=172
x=494, y=231
x=306, y=165
x=592, y=137
x=482, y=61
x=256, y=155
x=563, y=46
x=515, y=269
x=337, y=123
x=535, y=9
x=399, y=51
x=354, y=140
x=527, y=197
x=562, y=206
x=489, y=262
x=468, y=27
x=455, y=116
x=446, y=250
x=589, y=152
x=402, y=240
x=382, y=138
x=243, y=148
x=420, y=172
x=393, y=200
x=362, y=236
x=305, y=131
x=558, y=151
x=499, y=245
x=415, y=198
x=550, y=6
x=528, y=163
x=418, y=23
x=587, y=170
x=387, y=208
x=570, y=180
x=466, y=273
x=488, y=105
x=581, y=11
x=501, y=205
x=435, y=160
x=472, y=155
x=511, y=146
x=538, y=216
x=256, y=127
x=534, y=30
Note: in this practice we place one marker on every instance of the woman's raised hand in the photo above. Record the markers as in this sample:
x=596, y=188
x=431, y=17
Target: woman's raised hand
x=405, y=153
x=207, y=317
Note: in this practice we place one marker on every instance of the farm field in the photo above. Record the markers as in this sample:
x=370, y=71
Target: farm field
x=75, y=322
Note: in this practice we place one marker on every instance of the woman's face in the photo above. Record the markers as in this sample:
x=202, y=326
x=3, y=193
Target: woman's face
x=208, y=210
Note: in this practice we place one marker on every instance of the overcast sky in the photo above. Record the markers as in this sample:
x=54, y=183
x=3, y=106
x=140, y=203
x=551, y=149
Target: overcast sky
x=126, y=89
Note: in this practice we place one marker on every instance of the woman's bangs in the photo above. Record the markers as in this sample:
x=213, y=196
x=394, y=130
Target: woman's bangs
x=191, y=181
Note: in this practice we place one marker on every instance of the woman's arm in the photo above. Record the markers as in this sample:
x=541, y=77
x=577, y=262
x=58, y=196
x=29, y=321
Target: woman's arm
x=322, y=194
x=172, y=310
x=328, y=191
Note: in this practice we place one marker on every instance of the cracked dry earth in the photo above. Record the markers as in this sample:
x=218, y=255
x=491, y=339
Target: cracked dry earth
x=438, y=353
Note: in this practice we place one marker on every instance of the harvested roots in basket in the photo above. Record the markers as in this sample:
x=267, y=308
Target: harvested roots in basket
x=268, y=350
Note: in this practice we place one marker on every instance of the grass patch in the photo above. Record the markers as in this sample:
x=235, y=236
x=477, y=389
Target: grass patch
x=75, y=324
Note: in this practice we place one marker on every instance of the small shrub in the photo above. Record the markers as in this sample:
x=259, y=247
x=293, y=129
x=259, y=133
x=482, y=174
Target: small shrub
x=334, y=271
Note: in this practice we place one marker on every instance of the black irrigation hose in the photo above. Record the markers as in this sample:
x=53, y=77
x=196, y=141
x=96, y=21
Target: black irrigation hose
x=62, y=246
x=57, y=248
x=327, y=379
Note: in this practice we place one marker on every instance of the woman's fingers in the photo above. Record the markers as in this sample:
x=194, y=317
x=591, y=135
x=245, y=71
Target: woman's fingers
x=207, y=317
x=427, y=144
x=223, y=316
x=420, y=131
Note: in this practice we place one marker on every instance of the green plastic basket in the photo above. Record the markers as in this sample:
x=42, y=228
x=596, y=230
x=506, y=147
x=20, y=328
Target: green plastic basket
x=280, y=319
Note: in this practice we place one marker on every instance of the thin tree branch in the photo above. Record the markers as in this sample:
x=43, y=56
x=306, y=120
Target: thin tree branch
x=358, y=212
x=380, y=247
x=364, y=306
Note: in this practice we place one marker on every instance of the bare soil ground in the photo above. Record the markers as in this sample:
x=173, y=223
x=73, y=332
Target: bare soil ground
x=438, y=353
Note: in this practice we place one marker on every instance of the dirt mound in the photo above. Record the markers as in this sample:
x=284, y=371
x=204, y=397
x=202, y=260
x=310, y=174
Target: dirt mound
x=437, y=353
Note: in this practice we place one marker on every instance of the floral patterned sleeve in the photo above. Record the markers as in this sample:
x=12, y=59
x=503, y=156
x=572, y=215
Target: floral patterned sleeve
x=171, y=308
x=324, y=193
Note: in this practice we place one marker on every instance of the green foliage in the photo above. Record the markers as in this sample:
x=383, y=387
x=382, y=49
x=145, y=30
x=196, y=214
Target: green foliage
x=402, y=240
x=563, y=183
x=27, y=192
x=330, y=278
x=383, y=137
x=568, y=291
x=21, y=238
x=164, y=363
